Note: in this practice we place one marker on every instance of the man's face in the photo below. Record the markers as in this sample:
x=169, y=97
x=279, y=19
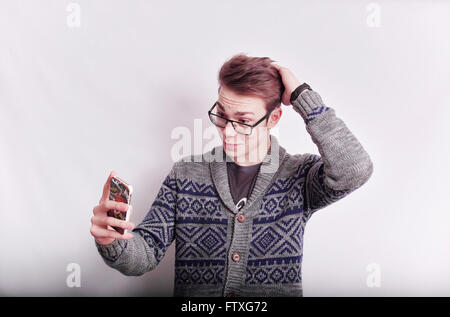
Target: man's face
x=245, y=149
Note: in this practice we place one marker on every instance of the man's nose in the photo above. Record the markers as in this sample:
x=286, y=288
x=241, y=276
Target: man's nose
x=229, y=130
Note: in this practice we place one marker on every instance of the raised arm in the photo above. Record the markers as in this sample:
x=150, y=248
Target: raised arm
x=343, y=164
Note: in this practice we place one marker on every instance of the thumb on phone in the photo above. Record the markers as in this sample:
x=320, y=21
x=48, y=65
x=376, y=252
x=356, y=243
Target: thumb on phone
x=106, y=187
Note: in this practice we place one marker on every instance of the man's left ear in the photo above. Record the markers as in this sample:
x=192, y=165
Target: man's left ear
x=275, y=116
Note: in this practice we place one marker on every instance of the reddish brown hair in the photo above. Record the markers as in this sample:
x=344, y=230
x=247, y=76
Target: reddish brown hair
x=253, y=76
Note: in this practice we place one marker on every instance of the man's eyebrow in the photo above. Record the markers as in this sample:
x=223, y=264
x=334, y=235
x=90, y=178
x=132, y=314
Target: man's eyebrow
x=238, y=113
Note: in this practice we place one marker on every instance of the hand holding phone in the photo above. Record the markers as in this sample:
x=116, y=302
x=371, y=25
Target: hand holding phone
x=103, y=225
x=119, y=191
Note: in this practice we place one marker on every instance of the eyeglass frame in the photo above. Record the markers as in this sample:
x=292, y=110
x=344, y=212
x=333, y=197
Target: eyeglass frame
x=234, y=121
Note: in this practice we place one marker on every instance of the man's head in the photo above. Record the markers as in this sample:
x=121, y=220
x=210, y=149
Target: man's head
x=249, y=88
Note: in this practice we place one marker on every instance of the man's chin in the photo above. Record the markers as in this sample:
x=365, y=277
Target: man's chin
x=233, y=154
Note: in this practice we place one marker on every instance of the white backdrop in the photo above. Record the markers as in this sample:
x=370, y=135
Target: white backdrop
x=78, y=101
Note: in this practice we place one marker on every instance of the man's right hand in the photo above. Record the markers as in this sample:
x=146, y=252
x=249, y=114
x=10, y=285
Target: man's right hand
x=102, y=224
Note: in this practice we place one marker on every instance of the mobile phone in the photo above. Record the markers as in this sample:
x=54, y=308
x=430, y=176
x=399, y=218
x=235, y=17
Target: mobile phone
x=120, y=191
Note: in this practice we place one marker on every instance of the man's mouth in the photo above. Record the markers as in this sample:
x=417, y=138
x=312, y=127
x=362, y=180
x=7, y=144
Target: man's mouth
x=229, y=145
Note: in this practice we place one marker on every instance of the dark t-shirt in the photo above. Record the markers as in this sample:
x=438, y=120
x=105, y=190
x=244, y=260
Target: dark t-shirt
x=242, y=180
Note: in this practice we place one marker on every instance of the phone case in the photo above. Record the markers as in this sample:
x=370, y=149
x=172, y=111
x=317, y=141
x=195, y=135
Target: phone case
x=119, y=191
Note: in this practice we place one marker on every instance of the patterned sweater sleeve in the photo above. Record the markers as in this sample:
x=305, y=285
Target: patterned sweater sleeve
x=343, y=164
x=152, y=237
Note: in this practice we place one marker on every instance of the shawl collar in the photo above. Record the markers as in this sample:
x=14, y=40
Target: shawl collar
x=269, y=167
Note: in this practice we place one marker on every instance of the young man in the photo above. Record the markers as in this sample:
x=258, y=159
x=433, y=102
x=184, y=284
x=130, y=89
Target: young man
x=238, y=217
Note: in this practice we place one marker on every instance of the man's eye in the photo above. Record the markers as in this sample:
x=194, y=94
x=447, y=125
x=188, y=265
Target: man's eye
x=246, y=121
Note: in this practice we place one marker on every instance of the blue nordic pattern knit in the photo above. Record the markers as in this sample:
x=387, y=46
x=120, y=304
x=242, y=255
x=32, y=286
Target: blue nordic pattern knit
x=257, y=250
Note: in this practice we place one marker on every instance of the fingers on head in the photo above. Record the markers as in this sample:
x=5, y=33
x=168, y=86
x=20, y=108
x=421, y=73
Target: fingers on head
x=278, y=67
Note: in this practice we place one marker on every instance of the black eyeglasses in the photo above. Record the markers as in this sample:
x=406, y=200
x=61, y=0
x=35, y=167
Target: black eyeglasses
x=239, y=127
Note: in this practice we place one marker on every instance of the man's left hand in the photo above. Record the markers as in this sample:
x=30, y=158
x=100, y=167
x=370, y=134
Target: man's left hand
x=290, y=83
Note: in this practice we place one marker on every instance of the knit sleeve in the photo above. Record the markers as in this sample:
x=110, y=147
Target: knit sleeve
x=343, y=164
x=152, y=237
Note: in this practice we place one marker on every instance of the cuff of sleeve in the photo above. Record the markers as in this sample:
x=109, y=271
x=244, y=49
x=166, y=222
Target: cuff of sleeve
x=112, y=251
x=298, y=91
x=309, y=105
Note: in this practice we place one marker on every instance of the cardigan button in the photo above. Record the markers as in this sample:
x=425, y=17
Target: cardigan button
x=236, y=257
x=241, y=217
